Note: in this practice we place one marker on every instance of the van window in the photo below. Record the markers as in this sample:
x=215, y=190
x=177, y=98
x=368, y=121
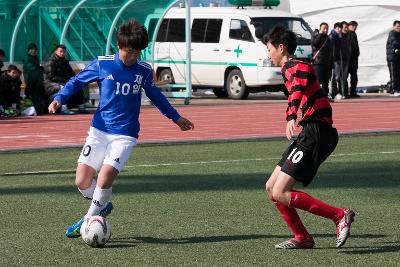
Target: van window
x=162, y=31
x=297, y=25
x=171, y=30
x=206, y=30
x=152, y=27
x=240, y=31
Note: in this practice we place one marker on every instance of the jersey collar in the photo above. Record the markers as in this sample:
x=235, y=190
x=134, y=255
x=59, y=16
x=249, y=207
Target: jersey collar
x=121, y=64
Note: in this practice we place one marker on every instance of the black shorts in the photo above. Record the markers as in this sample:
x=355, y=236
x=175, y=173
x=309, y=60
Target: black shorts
x=305, y=154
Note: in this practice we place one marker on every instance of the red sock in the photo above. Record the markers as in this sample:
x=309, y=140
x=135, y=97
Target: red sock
x=301, y=200
x=293, y=220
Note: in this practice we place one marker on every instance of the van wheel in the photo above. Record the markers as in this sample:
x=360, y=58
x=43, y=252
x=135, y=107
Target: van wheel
x=236, y=86
x=166, y=76
x=220, y=92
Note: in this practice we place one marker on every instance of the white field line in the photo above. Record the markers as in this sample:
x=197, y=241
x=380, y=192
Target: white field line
x=192, y=163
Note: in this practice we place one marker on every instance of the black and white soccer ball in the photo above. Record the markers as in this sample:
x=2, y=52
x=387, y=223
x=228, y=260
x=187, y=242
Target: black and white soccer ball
x=96, y=231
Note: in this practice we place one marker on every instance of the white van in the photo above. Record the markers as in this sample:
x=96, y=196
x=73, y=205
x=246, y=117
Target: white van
x=227, y=53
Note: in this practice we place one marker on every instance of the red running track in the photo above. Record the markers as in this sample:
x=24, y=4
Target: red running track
x=214, y=122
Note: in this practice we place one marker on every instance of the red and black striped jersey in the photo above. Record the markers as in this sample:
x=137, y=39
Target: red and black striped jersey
x=305, y=93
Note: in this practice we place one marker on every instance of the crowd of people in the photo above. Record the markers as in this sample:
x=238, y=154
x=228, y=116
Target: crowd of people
x=42, y=83
x=335, y=59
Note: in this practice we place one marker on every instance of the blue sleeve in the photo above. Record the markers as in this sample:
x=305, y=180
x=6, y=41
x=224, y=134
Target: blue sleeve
x=88, y=75
x=159, y=100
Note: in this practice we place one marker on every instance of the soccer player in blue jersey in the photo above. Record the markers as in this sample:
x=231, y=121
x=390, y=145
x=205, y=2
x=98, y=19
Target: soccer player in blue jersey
x=115, y=124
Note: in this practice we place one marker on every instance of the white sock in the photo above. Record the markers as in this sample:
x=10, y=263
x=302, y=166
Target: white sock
x=99, y=201
x=88, y=193
x=64, y=107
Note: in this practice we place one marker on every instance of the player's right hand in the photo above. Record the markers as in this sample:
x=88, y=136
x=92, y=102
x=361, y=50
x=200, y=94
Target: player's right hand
x=185, y=124
x=54, y=106
x=290, y=129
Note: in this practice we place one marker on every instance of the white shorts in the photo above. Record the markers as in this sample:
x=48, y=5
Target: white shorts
x=103, y=148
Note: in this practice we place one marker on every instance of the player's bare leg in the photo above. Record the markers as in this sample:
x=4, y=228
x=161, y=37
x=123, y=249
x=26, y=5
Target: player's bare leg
x=283, y=192
x=84, y=180
x=87, y=186
x=103, y=191
x=281, y=195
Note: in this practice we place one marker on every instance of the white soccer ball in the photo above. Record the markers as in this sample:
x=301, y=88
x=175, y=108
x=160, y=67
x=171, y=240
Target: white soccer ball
x=96, y=231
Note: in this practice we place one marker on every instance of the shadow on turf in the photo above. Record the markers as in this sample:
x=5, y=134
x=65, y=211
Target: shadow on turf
x=132, y=241
x=371, y=250
x=338, y=175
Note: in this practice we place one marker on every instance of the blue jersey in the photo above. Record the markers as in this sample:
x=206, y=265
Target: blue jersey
x=120, y=94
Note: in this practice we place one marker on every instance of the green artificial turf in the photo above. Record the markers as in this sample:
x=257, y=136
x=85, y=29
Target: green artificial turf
x=201, y=204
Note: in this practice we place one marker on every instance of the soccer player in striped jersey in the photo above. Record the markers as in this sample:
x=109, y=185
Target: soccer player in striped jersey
x=313, y=145
x=115, y=124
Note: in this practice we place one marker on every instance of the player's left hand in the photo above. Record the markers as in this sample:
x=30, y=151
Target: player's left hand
x=54, y=106
x=185, y=124
x=290, y=129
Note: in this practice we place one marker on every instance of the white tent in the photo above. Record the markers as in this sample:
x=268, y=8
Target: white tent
x=375, y=20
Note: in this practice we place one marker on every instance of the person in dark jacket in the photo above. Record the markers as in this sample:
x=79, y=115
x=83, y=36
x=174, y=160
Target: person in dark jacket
x=2, y=54
x=335, y=37
x=345, y=50
x=57, y=72
x=341, y=57
x=393, y=58
x=33, y=75
x=10, y=88
x=355, y=53
x=322, y=60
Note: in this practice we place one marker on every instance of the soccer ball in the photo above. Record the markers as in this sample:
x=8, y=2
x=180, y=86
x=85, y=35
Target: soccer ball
x=96, y=231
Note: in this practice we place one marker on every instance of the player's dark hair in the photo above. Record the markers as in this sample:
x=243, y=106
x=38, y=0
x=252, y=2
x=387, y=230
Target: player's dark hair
x=395, y=22
x=132, y=34
x=12, y=67
x=323, y=23
x=60, y=46
x=338, y=25
x=280, y=35
x=353, y=23
x=344, y=23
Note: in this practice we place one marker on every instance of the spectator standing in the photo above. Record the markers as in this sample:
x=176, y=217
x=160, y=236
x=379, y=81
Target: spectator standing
x=33, y=75
x=393, y=58
x=345, y=52
x=10, y=89
x=321, y=59
x=57, y=72
x=335, y=37
x=341, y=58
x=355, y=53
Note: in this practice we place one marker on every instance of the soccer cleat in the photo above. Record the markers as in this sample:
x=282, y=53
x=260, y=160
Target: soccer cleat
x=395, y=94
x=296, y=244
x=74, y=230
x=107, y=210
x=343, y=227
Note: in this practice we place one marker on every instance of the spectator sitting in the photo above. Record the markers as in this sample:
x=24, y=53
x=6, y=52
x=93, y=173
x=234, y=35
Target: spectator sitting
x=10, y=88
x=57, y=72
x=33, y=75
x=2, y=54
